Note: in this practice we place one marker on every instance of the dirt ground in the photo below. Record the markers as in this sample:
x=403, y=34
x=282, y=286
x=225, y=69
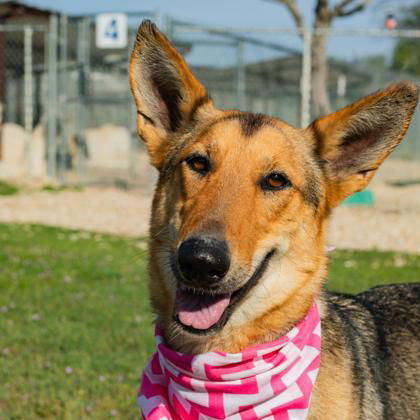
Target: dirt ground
x=393, y=223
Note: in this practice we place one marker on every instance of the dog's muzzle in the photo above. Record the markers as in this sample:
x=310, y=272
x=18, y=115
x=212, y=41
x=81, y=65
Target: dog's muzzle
x=205, y=298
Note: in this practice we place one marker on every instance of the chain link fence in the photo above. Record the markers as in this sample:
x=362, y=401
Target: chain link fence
x=95, y=122
x=68, y=113
x=23, y=87
x=353, y=76
x=252, y=73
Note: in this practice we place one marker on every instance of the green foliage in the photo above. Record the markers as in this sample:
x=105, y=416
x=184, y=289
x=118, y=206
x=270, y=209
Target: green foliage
x=60, y=188
x=407, y=51
x=8, y=189
x=76, y=327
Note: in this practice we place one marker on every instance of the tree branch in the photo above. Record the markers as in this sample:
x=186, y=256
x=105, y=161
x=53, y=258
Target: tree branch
x=340, y=9
x=352, y=11
x=322, y=13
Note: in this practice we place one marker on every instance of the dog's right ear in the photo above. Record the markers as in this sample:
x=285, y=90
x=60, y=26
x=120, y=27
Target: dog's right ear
x=166, y=92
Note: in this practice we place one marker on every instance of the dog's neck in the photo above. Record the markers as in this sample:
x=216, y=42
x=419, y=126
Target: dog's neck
x=214, y=383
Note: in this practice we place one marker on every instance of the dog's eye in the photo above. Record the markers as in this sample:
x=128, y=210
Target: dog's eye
x=275, y=182
x=198, y=164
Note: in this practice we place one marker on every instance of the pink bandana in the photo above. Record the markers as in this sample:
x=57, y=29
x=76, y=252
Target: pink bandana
x=272, y=380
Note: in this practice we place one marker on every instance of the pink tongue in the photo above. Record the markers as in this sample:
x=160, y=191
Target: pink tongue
x=200, y=312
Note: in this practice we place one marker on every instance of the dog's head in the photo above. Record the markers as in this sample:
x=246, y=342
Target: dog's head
x=238, y=224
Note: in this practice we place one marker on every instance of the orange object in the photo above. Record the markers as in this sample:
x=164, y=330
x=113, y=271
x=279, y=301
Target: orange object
x=390, y=22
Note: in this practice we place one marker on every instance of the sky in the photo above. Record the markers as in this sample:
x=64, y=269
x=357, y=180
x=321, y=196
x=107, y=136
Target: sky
x=224, y=12
x=248, y=13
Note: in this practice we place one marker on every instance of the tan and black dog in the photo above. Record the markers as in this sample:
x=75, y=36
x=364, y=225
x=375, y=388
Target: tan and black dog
x=240, y=215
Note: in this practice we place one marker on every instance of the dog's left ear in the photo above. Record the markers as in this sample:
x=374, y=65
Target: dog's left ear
x=352, y=142
x=164, y=89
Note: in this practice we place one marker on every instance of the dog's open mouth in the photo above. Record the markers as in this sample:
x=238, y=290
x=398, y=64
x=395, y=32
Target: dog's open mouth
x=200, y=313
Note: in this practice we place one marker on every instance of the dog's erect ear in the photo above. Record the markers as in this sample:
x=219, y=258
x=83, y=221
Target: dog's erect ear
x=165, y=90
x=352, y=142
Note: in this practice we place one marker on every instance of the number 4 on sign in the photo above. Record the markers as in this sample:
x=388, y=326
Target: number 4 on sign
x=112, y=29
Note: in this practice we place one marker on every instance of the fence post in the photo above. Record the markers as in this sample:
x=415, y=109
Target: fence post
x=28, y=92
x=83, y=60
x=240, y=76
x=157, y=17
x=169, y=28
x=28, y=79
x=305, y=83
x=63, y=126
x=52, y=111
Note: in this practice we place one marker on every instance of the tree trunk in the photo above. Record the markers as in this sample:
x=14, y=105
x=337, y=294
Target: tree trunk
x=324, y=15
x=320, y=96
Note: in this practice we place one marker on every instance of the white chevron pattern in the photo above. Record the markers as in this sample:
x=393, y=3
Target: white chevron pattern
x=270, y=381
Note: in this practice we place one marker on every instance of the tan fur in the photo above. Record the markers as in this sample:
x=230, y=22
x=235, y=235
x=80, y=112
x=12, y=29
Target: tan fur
x=248, y=241
x=331, y=159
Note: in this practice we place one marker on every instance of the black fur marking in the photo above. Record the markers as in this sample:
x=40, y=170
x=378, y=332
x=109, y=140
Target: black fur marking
x=318, y=145
x=161, y=85
x=148, y=119
x=352, y=339
x=170, y=92
x=202, y=100
x=380, y=333
x=379, y=358
x=311, y=191
x=251, y=123
x=147, y=28
x=395, y=310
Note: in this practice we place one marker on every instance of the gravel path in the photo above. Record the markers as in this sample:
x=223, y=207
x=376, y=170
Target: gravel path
x=392, y=224
x=102, y=210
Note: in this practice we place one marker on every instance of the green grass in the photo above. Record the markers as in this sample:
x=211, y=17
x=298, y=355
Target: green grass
x=8, y=189
x=75, y=325
x=60, y=188
x=355, y=271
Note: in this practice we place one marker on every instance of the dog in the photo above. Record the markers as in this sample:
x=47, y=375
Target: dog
x=239, y=221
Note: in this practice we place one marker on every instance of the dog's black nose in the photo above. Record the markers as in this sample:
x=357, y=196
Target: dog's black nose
x=203, y=260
